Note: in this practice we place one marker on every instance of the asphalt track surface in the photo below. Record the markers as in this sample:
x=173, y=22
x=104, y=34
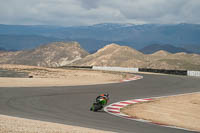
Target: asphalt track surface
x=70, y=105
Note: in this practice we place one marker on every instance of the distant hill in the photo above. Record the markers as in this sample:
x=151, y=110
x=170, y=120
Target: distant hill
x=94, y=37
x=51, y=55
x=114, y=55
x=123, y=56
x=161, y=53
x=21, y=42
x=156, y=47
x=26, y=42
x=192, y=48
x=2, y=49
x=61, y=54
x=181, y=60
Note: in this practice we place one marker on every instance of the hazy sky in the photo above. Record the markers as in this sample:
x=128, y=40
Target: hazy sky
x=87, y=12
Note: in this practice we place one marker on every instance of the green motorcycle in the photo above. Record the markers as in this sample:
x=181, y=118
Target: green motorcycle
x=98, y=105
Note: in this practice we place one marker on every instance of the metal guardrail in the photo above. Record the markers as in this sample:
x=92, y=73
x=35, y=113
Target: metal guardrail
x=86, y=67
x=175, y=72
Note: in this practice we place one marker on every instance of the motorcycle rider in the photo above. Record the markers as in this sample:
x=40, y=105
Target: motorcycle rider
x=103, y=98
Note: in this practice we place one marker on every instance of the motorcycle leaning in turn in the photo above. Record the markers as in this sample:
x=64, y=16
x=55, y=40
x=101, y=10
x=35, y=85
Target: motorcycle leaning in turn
x=100, y=103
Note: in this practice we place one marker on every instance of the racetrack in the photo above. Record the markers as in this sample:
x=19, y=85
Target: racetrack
x=70, y=105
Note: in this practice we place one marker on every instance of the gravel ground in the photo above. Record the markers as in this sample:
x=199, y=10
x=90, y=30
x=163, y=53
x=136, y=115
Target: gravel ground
x=19, y=125
x=182, y=111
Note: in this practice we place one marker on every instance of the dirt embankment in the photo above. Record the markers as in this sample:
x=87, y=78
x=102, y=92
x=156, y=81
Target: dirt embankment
x=182, y=111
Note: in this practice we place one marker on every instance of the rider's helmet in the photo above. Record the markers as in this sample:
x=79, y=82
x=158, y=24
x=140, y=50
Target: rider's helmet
x=106, y=94
x=102, y=95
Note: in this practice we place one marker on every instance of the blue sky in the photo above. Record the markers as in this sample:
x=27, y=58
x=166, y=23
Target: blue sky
x=88, y=12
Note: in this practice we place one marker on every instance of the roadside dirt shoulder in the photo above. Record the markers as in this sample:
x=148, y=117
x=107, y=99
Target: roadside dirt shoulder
x=182, y=111
x=19, y=125
x=42, y=76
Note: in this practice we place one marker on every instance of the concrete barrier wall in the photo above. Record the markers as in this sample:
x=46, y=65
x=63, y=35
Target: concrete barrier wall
x=193, y=73
x=123, y=69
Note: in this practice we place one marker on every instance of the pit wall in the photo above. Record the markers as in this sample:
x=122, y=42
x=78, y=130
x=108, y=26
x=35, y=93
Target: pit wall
x=124, y=69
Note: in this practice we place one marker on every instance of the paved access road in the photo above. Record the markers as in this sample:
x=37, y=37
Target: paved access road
x=70, y=105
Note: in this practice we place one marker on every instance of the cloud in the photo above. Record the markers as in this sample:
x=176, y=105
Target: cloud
x=86, y=12
x=89, y=4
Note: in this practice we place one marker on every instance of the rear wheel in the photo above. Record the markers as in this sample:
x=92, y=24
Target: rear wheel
x=96, y=107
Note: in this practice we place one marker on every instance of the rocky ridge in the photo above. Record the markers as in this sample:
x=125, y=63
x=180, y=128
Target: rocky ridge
x=62, y=54
x=114, y=55
x=51, y=55
x=123, y=56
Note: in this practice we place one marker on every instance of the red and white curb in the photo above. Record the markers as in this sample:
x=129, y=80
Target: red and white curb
x=136, y=77
x=114, y=109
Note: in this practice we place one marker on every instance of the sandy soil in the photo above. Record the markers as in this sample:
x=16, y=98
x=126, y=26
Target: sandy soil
x=41, y=82
x=18, y=125
x=182, y=111
x=58, y=77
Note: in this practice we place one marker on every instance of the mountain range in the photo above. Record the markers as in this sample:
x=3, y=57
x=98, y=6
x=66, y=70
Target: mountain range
x=62, y=54
x=150, y=49
x=123, y=56
x=91, y=38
